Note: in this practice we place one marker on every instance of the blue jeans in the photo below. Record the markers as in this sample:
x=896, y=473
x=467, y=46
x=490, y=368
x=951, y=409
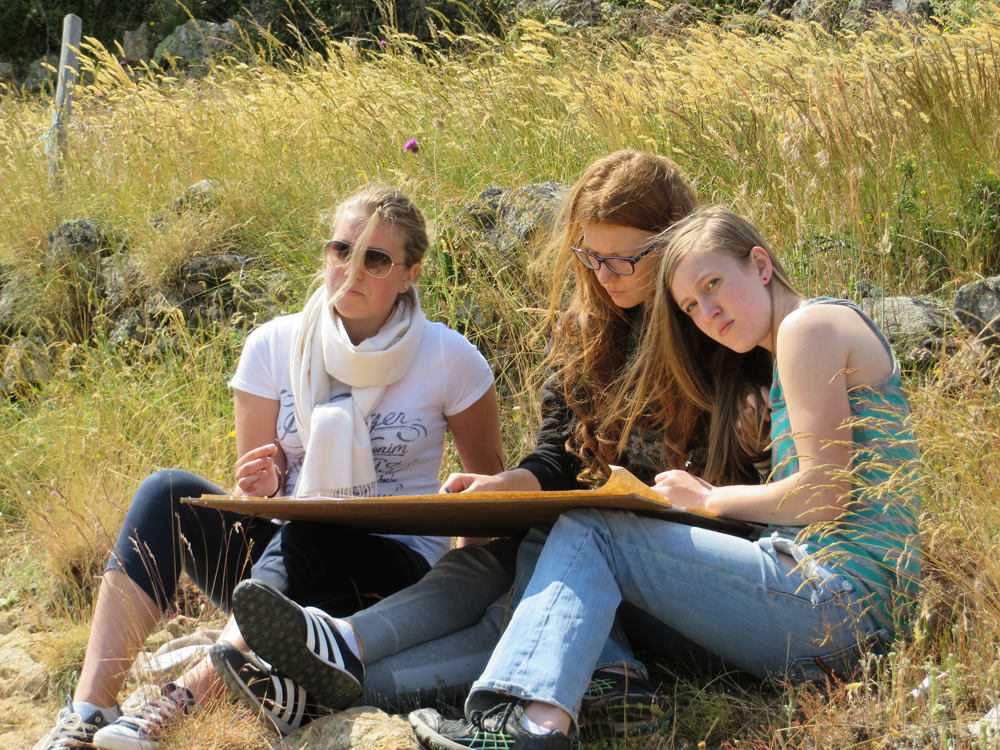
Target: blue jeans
x=735, y=597
x=435, y=637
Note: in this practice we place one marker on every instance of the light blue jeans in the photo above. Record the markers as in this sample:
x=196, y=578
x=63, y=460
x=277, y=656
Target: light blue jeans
x=434, y=638
x=736, y=598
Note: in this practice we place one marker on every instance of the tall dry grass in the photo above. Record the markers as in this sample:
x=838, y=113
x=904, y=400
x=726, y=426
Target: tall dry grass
x=867, y=159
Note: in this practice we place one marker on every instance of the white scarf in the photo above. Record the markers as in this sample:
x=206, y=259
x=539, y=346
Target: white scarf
x=338, y=460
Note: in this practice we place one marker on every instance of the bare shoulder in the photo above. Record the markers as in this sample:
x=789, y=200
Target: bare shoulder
x=840, y=332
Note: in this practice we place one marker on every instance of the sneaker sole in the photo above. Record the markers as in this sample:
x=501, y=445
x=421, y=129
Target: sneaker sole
x=428, y=737
x=626, y=720
x=243, y=693
x=114, y=741
x=269, y=625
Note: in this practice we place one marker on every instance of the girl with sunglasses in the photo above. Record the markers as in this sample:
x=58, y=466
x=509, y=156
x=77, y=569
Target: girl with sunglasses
x=430, y=637
x=351, y=396
x=834, y=575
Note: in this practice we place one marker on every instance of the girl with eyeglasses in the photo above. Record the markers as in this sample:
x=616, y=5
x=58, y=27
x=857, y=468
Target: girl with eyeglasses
x=351, y=396
x=434, y=637
x=833, y=576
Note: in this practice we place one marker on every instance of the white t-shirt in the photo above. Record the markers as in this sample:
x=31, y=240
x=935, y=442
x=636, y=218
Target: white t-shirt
x=408, y=425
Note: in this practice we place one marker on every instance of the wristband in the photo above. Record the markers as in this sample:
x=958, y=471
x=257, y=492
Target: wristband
x=277, y=472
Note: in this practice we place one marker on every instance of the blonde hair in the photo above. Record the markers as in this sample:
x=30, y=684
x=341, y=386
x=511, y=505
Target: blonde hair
x=711, y=376
x=392, y=206
x=591, y=337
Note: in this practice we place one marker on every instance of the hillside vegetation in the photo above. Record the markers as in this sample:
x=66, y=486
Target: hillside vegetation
x=869, y=161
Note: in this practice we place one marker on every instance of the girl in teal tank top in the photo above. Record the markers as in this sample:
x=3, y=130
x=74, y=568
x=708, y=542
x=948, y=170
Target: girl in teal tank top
x=842, y=488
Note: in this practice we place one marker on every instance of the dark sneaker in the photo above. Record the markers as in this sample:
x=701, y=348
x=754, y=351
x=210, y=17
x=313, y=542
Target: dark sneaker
x=616, y=704
x=498, y=728
x=267, y=693
x=145, y=714
x=72, y=730
x=301, y=643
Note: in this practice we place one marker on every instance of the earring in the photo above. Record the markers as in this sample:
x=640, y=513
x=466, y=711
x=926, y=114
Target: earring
x=765, y=279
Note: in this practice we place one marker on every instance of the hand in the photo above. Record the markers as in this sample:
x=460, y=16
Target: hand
x=751, y=430
x=683, y=490
x=256, y=472
x=473, y=483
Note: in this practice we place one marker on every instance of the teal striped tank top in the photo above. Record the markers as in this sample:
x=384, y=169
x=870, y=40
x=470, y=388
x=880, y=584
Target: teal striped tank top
x=875, y=543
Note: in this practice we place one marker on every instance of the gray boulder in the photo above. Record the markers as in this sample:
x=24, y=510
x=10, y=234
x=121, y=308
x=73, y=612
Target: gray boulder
x=575, y=12
x=194, y=43
x=779, y=8
x=508, y=218
x=977, y=306
x=7, y=73
x=119, y=282
x=138, y=45
x=41, y=72
x=917, y=327
x=202, y=196
x=28, y=361
x=82, y=240
x=16, y=301
x=208, y=272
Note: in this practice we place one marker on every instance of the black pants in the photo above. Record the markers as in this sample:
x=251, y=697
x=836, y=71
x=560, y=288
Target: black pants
x=323, y=565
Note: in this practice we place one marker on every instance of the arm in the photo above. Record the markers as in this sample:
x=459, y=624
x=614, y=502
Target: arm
x=821, y=353
x=548, y=467
x=260, y=468
x=476, y=432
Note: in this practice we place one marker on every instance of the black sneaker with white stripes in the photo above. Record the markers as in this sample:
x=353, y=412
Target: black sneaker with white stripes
x=285, y=704
x=301, y=643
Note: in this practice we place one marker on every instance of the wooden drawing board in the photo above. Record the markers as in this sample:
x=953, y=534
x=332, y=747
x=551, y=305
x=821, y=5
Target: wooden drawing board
x=468, y=513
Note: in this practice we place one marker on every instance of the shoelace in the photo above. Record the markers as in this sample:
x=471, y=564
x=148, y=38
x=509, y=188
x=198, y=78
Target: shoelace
x=499, y=715
x=500, y=712
x=151, y=711
x=69, y=728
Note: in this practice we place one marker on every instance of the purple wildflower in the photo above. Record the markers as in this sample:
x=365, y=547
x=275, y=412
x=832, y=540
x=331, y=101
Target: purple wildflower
x=411, y=145
x=383, y=43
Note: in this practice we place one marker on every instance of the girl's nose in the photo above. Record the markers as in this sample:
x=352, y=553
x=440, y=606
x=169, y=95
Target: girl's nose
x=604, y=275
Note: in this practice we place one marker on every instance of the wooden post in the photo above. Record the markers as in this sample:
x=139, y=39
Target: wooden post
x=69, y=66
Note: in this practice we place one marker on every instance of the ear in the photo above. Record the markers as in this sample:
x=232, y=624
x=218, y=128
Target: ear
x=761, y=262
x=409, y=276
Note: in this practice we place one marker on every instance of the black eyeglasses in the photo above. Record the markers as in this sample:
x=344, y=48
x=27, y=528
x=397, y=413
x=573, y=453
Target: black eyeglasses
x=616, y=263
x=378, y=263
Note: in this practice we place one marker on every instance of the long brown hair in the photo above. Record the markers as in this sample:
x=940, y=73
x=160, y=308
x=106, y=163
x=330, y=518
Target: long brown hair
x=591, y=338
x=709, y=375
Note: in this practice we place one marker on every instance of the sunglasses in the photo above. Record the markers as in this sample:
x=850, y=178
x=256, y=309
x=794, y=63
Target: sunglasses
x=616, y=263
x=377, y=263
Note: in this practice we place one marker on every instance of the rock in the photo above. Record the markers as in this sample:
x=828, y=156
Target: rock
x=193, y=43
x=208, y=271
x=681, y=15
x=27, y=361
x=575, y=12
x=7, y=73
x=129, y=327
x=162, y=305
x=912, y=324
x=780, y=8
x=41, y=72
x=19, y=673
x=79, y=240
x=359, y=728
x=119, y=281
x=202, y=196
x=15, y=303
x=977, y=306
x=508, y=218
x=137, y=45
